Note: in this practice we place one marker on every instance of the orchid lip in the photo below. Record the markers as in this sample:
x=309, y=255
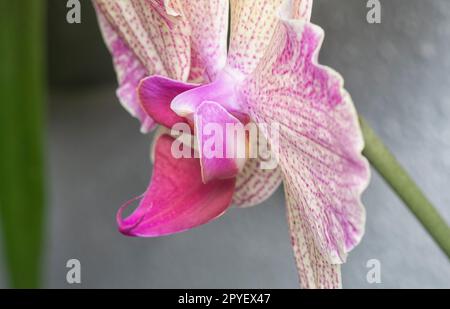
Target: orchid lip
x=176, y=200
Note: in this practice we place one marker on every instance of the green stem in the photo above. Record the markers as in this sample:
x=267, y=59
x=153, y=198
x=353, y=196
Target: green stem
x=402, y=184
x=22, y=97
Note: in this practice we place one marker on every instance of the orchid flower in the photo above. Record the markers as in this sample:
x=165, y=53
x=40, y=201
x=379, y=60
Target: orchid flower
x=174, y=68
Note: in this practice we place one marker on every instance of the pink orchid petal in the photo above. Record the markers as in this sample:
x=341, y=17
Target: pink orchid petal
x=320, y=149
x=301, y=9
x=253, y=23
x=129, y=72
x=156, y=93
x=183, y=40
x=209, y=28
x=252, y=26
x=314, y=269
x=215, y=145
x=160, y=42
x=176, y=199
x=178, y=39
x=254, y=185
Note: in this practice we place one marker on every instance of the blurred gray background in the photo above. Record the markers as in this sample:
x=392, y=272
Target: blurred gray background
x=398, y=75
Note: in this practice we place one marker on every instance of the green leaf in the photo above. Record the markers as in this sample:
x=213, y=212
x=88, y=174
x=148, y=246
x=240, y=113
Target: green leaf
x=22, y=97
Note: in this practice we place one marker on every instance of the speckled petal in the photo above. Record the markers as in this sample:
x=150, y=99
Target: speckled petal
x=319, y=150
x=176, y=199
x=129, y=72
x=252, y=26
x=159, y=40
x=314, y=269
x=253, y=23
x=183, y=40
x=301, y=9
x=254, y=185
x=178, y=39
x=209, y=24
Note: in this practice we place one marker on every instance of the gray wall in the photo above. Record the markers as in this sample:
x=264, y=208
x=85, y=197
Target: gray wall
x=398, y=75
